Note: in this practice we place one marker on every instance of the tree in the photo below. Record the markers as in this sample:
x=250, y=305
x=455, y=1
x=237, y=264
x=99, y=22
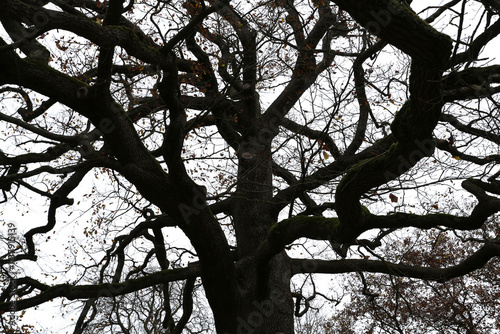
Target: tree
x=282, y=138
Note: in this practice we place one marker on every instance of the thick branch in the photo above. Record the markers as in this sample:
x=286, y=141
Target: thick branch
x=414, y=123
x=289, y=230
x=473, y=262
x=330, y=172
x=125, y=37
x=396, y=23
x=72, y=292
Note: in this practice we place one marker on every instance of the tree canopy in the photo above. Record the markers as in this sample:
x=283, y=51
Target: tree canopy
x=229, y=153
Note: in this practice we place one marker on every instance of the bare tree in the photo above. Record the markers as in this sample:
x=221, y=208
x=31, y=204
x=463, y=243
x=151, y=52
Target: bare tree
x=285, y=139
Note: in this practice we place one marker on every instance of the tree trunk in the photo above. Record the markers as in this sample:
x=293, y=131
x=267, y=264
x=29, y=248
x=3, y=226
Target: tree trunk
x=266, y=295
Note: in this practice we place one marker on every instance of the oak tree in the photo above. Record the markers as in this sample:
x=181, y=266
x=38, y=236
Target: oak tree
x=284, y=139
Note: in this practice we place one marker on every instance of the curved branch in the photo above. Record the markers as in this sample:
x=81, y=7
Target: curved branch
x=397, y=24
x=124, y=36
x=477, y=45
x=105, y=61
x=486, y=207
x=414, y=123
x=290, y=179
x=187, y=305
x=188, y=29
x=469, y=129
x=330, y=172
x=289, y=230
x=26, y=39
x=364, y=106
x=334, y=230
x=42, y=132
x=305, y=70
x=445, y=146
x=58, y=199
x=247, y=38
x=314, y=134
x=72, y=292
x=473, y=262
